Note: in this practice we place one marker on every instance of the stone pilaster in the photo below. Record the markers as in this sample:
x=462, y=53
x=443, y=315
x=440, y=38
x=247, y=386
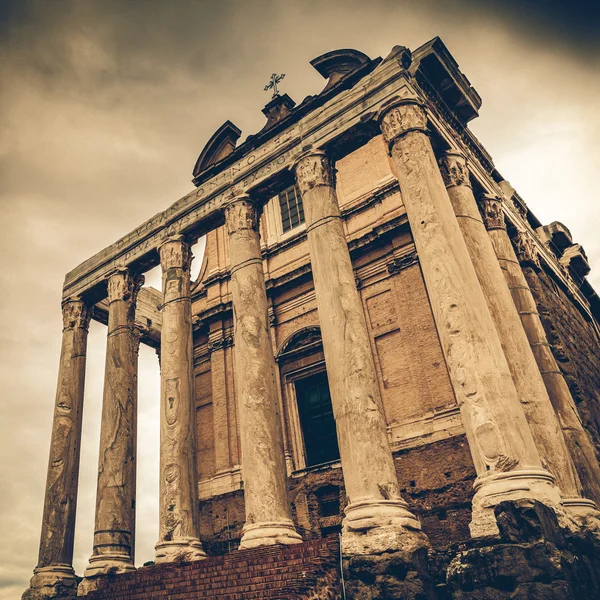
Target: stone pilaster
x=377, y=519
x=178, y=479
x=521, y=362
x=217, y=345
x=54, y=576
x=115, y=497
x=503, y=450
x=577, y=441
x=268, y=511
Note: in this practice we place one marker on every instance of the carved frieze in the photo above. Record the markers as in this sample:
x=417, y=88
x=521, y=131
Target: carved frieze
x=242, y=213
x=313, y=170
x=526, y=250
x=407, y=115
x=454, y=170
x=491, y=212
x=76, y=314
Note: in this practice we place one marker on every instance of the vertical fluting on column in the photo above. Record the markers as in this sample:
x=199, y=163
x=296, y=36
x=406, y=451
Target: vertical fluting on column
x=503, y=450
x=528, y=382
x=268, y=511
x=115, y=496
x=376, y=518
x=54, y=575
x=178, y=483
x=577, y=440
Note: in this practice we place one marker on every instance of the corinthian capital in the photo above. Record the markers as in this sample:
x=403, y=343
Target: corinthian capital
x=124, y=285
x=526, y=250
x=76, y=314
x=312, y=170
x=175, y=252
x=491, y=212
x=242, y=213
x=453, y=167
x=400, y=118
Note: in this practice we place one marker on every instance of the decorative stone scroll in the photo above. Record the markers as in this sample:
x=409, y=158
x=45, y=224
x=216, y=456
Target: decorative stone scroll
x=312, y=170
x=526, y=250
x=402, y=117
x=124, y=285
x=242, y=214
x=220, y=343
x=75, y=315
x=454, y=170
x=491, y=212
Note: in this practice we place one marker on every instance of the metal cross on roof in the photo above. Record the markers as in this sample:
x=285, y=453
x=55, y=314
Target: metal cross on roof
x=275, y=79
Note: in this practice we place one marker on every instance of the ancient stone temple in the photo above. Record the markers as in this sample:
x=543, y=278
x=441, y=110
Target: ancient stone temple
x=384, y=383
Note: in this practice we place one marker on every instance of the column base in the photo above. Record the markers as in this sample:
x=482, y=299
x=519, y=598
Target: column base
x=531, y=484
x=56, y=581
x=268, y=534
x=181, y=550
x=102, y=565
x=582, y=515
x=373, y=527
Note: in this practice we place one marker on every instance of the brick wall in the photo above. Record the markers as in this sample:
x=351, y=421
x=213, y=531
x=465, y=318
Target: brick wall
x=307, y=571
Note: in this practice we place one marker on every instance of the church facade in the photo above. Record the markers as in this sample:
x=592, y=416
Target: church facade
x=384, y=348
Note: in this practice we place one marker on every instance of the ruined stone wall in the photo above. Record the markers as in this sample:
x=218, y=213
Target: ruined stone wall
x=575, y=345
x=436, y=480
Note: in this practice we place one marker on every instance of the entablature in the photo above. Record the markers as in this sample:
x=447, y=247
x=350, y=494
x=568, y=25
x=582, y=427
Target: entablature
x=202, y=209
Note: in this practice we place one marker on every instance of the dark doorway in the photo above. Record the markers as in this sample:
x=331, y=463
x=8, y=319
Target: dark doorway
x=316, y=419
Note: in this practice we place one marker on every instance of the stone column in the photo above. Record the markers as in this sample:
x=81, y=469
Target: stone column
x=115, y=496
x=54, y=576
x=268, y=511
x=528, y=382
x=503, y=450
x=376, y=519
x=577, y=440
x=178, y=483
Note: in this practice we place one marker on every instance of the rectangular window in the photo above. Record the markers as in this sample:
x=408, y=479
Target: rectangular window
x=292, y=211
x=316, y=419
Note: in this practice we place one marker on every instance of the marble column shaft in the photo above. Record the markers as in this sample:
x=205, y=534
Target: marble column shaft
x=178, y=479
x=376, y=518
x=577, y=440
x=54, y=569
x=268, y=511
x=115, y=497
x=503, y=450
x=521, y=362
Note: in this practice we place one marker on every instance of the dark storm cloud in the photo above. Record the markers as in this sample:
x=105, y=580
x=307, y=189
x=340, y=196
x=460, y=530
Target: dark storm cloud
x=104, y=107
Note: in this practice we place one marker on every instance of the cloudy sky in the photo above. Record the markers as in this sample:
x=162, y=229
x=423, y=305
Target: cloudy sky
x=104, y=108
